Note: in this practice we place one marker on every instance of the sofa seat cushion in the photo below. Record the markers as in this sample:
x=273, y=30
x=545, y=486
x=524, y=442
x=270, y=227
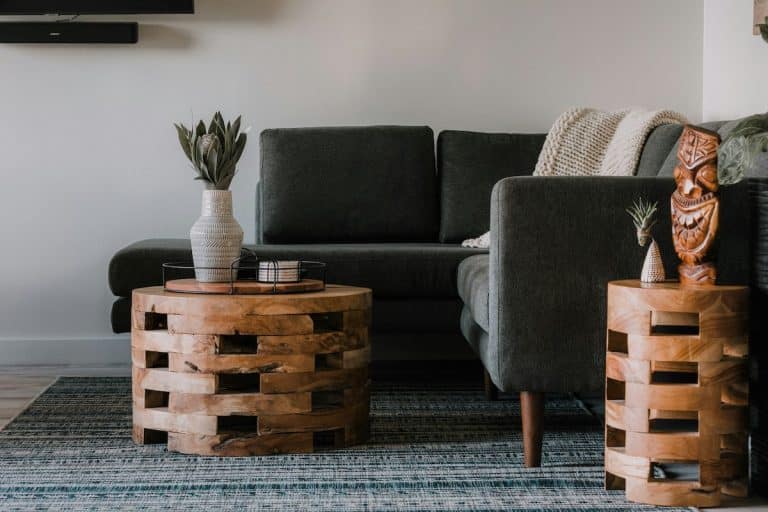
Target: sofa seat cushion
x=474, y=285
x=390, y=269
x=140, y=264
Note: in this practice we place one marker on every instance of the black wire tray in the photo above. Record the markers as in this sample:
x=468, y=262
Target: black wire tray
x=282, y=276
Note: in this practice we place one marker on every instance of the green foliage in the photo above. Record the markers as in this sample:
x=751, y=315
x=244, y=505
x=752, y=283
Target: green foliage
x=214, y=151
x=740, y=149
x=643, y=214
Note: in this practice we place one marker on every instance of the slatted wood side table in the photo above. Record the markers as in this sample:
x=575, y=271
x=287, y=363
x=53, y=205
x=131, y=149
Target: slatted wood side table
x=676, y=392
x=238, y=375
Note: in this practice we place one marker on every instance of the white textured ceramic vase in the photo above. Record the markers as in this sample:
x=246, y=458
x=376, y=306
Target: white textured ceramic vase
x=216, y=238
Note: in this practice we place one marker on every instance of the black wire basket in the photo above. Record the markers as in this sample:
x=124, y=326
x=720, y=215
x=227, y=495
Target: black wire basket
x=249, y=268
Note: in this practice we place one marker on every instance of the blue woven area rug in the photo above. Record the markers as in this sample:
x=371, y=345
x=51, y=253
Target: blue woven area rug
x=433, y=448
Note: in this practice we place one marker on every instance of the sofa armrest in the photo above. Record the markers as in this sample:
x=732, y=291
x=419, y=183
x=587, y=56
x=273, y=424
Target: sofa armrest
x=555, y=243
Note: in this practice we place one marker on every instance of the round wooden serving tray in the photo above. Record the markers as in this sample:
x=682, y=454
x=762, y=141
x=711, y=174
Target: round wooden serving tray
x=243, y=287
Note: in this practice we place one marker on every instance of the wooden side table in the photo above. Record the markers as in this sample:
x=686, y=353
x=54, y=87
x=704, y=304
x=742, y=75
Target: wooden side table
x=237, y=375
x=676, y=399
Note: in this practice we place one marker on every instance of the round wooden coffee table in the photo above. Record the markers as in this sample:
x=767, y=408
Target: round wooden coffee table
x=239, y=375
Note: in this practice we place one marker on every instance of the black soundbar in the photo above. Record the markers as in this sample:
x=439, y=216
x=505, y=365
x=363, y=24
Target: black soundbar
x=69, y=32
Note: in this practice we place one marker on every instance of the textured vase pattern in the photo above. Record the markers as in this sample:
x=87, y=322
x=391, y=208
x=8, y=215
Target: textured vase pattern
x=216, y=238
x=653, y=267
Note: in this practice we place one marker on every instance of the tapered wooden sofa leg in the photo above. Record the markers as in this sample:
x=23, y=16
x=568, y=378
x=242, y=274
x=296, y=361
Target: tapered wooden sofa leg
x=532, y=410
x=491, y=391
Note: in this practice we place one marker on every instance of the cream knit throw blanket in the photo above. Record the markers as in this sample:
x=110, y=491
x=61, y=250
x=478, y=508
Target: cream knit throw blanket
x=590, y=142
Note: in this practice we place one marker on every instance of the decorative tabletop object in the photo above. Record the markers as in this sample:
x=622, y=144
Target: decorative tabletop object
x=676, y=399
x=214, y=152
x=254, y=276
x=695, y=205
x=643, y=215
x=240, y=375
x=704, y=166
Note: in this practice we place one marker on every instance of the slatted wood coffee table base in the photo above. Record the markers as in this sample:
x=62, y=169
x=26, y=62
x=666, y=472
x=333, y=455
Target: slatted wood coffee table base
x=234, y=375
x=676, y=392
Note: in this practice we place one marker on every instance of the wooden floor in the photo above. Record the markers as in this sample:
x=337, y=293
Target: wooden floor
x=17, y=391
x=21, y=385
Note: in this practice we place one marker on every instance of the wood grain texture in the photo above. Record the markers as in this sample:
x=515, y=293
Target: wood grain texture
x=335, y=418
x=240, y=404
x=321, y=343
x=673, y=348
x=675, y=494
x=532, y=412
x=695, y=205
x=229, y=375
x=239, y=325
x=619, y=366
x=618, y=415
x=243, y=287
x=676, y=353
x=241, y=363
x=324, y=380
x=163, y=341
x=160, y=379
x=333, y=298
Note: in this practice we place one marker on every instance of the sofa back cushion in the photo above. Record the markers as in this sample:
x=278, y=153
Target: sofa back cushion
x=660, y=142
x=355, y=184
x=469, y=165
x=668, y=166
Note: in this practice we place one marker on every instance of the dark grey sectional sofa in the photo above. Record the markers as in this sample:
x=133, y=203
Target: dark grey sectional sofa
x=387, y=209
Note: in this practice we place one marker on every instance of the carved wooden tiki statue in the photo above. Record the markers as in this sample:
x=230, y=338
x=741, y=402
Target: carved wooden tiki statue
x=695, y=205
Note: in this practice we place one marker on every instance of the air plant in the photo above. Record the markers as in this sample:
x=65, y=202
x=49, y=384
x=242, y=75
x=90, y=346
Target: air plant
x=643, y=215
x=215, y=150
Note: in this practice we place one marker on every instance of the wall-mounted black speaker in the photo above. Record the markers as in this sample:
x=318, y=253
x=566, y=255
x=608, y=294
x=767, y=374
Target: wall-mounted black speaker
x=69, y=33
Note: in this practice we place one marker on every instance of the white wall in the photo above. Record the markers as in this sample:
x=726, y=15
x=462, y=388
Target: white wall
x=90, y=162
x=735, y=61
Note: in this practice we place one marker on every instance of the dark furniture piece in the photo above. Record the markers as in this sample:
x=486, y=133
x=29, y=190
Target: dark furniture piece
x=384, y=213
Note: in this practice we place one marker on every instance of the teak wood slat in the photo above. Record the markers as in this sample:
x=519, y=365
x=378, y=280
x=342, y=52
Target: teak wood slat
x=240, y=375
x=676, y=391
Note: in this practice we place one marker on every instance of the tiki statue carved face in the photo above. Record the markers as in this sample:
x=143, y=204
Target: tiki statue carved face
x=695, y=204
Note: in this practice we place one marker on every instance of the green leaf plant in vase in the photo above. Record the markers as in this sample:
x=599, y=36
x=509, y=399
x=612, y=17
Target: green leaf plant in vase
x=217, y=238
x=643, y=215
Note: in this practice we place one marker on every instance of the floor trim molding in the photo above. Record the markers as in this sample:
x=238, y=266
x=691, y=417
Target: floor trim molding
x=101, y=351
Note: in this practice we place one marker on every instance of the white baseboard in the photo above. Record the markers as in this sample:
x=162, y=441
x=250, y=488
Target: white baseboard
x=107, y=351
